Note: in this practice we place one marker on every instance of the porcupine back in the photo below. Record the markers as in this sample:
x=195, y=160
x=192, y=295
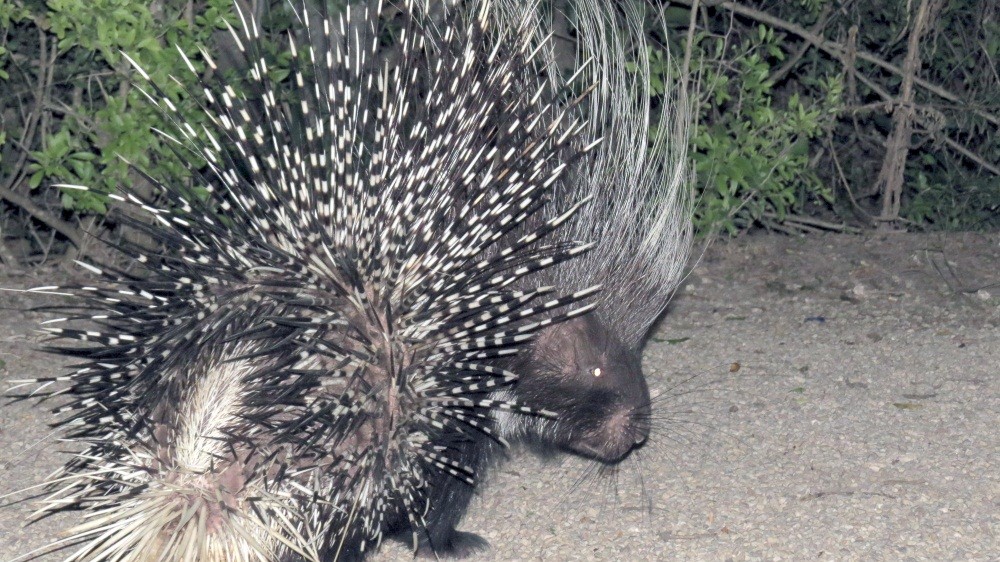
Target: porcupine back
x=298, y=353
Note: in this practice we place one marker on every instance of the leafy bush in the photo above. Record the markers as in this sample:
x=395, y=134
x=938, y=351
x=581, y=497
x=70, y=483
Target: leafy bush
x=71, y=114
x=752, y=152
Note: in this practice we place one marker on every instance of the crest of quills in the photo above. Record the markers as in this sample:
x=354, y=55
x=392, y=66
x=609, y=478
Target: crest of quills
x=385, y=284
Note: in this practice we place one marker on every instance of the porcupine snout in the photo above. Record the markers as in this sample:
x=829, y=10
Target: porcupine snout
x=613, y=418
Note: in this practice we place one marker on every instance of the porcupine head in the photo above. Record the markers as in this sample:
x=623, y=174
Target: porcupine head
x=581, y=371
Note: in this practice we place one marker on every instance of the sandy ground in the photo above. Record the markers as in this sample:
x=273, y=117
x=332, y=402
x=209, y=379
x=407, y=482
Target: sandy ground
x=862, y=422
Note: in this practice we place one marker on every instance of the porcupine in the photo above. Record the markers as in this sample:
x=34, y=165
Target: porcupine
x=296, y=357
x=588, y=370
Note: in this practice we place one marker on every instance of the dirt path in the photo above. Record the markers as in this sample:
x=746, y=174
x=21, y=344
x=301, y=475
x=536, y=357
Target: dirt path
x=863, y=422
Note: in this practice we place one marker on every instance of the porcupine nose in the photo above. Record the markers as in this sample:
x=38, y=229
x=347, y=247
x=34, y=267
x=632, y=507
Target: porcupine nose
x=628, y=430
x=640, y=426
x=640, y=431
x=640, y=439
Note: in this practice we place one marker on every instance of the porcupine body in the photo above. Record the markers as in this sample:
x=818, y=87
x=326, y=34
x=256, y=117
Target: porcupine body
x=301, y=356
x=587, y=371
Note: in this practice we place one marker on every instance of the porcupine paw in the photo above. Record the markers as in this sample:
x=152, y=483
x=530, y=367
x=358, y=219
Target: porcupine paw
x=457, y=545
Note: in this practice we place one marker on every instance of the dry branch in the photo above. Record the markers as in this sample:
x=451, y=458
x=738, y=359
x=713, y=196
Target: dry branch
x=891, y=176
x=60, y=226
x=903, y=108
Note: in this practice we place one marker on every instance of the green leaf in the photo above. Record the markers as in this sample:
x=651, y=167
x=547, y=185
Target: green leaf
x=36, y=179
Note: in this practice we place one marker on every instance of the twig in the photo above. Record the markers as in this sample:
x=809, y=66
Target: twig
x=810, y=221
x=821, y=22
x=770, y=220
x=689, y=47
x=968, y=154
x=848, y=60
x=24, y=202
x=45, y=73
x=843, y=177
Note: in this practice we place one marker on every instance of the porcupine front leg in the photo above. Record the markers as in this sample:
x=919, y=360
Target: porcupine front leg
x=449, y=500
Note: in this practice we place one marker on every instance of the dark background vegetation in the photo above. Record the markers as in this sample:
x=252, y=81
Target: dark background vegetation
x=813, y=115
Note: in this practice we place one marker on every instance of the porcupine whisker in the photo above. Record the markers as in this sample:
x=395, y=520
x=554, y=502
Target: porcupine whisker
x=608, y=478
x=677, y=435
x=644, y=493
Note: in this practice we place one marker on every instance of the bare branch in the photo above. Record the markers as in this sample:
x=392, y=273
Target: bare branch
x=968, y=154
x=890, y=177
x=689, y=46
x=817, y=28
x=60, y=226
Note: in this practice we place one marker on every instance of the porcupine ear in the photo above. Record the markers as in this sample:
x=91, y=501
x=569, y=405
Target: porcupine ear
x=638, y=178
